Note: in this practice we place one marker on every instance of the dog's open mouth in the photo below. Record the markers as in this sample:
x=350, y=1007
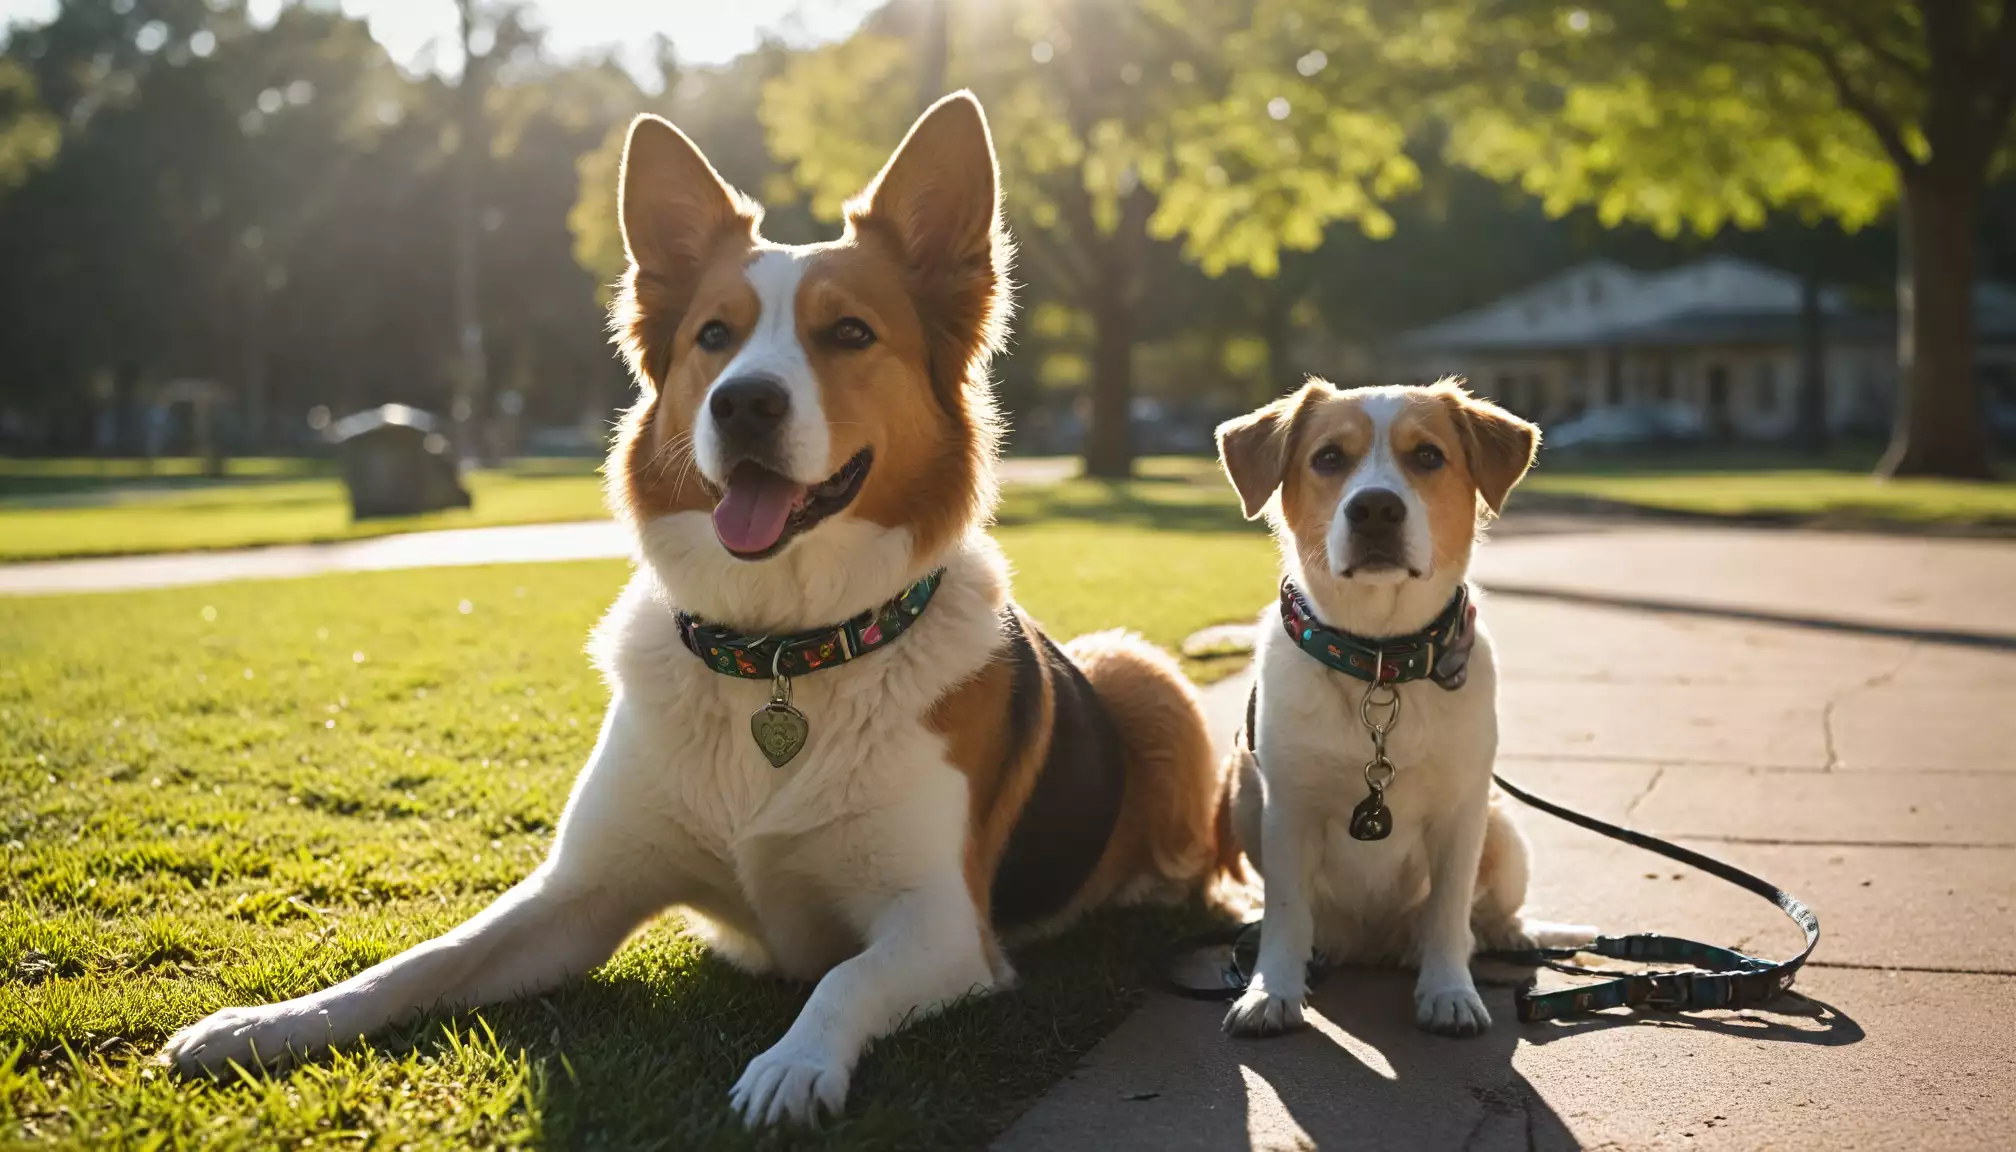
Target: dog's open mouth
x=760, y=511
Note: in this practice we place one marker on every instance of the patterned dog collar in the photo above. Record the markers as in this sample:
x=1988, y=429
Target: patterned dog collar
x=759, y=657
x=1439, y=652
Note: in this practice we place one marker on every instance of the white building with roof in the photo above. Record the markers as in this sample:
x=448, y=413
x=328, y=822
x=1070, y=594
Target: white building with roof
x=1720, y=335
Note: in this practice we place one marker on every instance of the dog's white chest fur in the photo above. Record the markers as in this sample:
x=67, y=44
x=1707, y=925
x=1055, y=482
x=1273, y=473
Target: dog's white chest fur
x=1313, y=749
x=869, y=804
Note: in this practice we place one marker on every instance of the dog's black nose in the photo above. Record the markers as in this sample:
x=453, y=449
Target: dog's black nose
x=749, y=410
x=1376, y=508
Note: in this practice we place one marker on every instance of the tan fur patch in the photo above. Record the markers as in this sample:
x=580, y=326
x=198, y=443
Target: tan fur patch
x=1001, y=766
x=1486, y=450
x=1167, y=840
x=651, y=469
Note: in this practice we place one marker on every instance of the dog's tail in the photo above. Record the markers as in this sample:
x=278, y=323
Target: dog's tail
x=1171, y=839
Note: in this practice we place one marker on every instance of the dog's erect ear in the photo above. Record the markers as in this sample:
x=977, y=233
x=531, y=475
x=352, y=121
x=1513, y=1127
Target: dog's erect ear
x=1254, y=448
x=938, y=200
x=675, y=211
x=674, y=207
x=1499, y=446
x=939, y=195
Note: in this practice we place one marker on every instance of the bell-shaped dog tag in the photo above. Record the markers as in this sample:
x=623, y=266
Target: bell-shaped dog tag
x=1372, y=820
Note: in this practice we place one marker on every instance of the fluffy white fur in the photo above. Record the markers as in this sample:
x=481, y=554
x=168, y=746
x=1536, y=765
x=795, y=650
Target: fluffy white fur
x=859, y=844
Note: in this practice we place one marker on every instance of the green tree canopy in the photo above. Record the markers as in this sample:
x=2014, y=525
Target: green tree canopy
x=1108, y=145
x=1694, y=114
x=29, y=135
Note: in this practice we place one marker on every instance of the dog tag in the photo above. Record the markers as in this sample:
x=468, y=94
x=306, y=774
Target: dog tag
x=1371, y=820
x=780, y=730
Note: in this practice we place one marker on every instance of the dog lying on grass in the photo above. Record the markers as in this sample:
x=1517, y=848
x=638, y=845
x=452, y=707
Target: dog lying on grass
x=833, y=739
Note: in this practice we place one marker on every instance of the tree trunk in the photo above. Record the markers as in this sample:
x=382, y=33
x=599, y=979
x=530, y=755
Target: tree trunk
x=933, y=46
x=1277, y=330
x=1811, y=406
x=470, y=411
x=1939, y=429
x=1109, y=443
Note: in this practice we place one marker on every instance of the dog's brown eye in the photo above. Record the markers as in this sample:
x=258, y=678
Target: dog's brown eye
x=852, y=333
x=1428, y=457
x=713, y=336
x=1328, y=461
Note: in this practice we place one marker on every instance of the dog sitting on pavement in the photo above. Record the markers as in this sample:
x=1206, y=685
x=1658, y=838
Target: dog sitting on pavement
x=1362, y=788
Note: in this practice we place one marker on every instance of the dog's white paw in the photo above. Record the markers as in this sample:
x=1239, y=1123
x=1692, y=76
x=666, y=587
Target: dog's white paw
x=1451, y=1009
x=1261, y=1013
x=789, y=1084
x=267, y=1034
x=1520, y=934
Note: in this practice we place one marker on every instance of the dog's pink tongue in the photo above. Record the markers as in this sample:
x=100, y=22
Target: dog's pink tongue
x=753, y=511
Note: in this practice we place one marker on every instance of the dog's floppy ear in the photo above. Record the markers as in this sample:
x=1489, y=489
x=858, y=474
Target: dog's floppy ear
x=1499, y=446
x=939, y=200
x=1254, y=448
x=675, y=211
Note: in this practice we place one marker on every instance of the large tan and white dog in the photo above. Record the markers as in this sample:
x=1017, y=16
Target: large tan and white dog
x=815, y=435
x=1380, y=496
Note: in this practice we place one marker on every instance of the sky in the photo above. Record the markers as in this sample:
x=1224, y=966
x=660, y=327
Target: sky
x=420, y=34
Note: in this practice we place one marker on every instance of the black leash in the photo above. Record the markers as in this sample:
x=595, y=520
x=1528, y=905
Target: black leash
x=1722, y=977
x=1725, y=978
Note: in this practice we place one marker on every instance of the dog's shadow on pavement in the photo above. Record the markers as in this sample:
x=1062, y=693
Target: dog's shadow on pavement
x=1364, y=1075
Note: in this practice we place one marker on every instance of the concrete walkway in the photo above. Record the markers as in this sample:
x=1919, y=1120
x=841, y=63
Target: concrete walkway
x=1869, y=773
x=512, y=544
x=523, y=543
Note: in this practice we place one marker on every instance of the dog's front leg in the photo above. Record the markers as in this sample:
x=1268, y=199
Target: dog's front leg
x=599, y=882
x=1445, y=996
x=1272, y=1003
x=924, y=951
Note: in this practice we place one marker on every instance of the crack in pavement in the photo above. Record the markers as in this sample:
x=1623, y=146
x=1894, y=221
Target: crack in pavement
x=1804, y=842
x=1926, y=969
x=1835, y=701
x=1658, y=774
x=1619, y=758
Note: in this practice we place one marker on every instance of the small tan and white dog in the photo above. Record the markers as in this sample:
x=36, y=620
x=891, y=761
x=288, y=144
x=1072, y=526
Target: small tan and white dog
x=1381, y=491
x=812, y=458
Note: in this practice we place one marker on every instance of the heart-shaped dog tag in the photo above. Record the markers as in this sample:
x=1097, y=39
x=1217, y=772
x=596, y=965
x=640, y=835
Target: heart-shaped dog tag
x=780, y=731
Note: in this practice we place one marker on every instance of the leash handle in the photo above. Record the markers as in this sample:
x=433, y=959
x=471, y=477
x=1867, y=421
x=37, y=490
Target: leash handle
x=1727, y=979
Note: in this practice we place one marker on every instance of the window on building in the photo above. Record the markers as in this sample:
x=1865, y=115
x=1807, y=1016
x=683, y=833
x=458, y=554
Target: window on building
x=1662, y=380
x=1764, y=388
x=1613, y=378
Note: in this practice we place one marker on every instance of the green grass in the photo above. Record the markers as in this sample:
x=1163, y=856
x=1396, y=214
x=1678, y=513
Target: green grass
x=244, y=792
x=74, y=473
x=53, y=514
x=1800, y=494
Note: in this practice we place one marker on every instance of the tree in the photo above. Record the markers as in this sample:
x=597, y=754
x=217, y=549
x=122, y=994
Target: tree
x=1705, y=113
x=1107, y=150
x=268, y=207
x=29, y=135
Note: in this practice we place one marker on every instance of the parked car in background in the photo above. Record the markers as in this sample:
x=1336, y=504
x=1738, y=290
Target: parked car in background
x=1626, y=424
